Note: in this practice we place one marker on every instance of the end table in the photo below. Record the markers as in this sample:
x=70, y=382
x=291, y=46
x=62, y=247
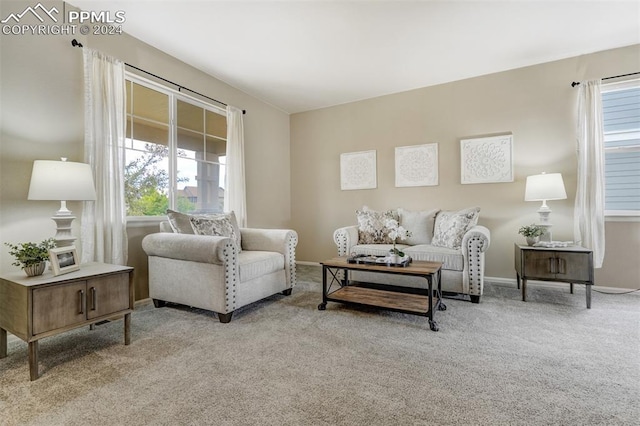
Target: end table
x=573, y=264
x=32, y=308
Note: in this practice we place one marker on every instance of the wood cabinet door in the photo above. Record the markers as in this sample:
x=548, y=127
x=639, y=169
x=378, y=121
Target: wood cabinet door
x=58, y=306
x=539, y=264
x=574, y=266
x=107, y=295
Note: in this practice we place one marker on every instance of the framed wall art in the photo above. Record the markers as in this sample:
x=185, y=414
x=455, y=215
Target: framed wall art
x=358, y=170
x=417, y=165
x=487, y=160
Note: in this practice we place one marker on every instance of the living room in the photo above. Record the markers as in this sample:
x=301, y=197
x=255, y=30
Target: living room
x=293, y=159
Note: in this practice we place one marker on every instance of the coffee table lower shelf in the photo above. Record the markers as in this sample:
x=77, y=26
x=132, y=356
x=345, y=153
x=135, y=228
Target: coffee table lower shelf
x=415, y=304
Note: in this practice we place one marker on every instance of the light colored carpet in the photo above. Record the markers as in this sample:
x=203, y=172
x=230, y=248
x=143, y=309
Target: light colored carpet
x=282, y=362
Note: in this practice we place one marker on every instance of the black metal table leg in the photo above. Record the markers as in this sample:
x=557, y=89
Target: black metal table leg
x=433, y=325
x=322, y=306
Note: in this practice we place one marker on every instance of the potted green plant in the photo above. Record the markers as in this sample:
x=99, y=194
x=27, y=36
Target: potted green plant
x=532, y=233
x=31, y=257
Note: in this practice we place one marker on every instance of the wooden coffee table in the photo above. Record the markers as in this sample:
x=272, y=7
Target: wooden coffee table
x=408, y=300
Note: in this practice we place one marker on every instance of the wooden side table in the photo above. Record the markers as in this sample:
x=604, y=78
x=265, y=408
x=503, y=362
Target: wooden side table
x=572, y=264
x=32, y=308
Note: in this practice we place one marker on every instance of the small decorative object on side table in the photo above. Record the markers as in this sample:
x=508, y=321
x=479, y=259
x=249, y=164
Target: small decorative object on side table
x=31, y=257
x=532, y=233
x=572, y=264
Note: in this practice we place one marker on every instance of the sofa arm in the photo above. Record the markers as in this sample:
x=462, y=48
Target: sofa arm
x=195, y=248
x=345, y=238
x=474, y=244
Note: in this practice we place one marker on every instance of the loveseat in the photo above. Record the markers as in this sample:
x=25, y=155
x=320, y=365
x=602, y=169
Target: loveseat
x=451, y=237
x=211, y=263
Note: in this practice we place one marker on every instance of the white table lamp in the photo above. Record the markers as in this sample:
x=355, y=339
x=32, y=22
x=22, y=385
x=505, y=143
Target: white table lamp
x=545, y=187
x=62, y=181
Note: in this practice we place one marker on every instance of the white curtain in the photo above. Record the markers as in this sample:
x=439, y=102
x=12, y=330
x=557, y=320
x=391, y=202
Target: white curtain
x=589, y=207
x=235, y=195
x=104, y=232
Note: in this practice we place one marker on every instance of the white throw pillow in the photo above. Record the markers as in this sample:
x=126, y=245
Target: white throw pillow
x=419, y=224
x=450, y=227
x=179, y=222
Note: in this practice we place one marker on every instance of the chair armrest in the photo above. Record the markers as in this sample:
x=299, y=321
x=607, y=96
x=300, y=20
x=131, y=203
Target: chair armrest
x=478, y=236
x=278, y=240
x=195, y=248
x=345, y=238
x=474, y=243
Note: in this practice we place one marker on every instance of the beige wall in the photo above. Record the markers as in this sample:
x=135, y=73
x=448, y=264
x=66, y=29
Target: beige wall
x=536, y=104
x=41, y=101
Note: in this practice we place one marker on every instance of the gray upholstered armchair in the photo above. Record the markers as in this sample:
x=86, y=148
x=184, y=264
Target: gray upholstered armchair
x=210, y=272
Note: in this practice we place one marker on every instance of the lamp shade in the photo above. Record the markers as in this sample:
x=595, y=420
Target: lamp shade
x=545, y=187
x=61, y=181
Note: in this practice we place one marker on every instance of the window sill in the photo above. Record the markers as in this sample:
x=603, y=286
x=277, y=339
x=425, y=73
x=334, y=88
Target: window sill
x=626, y=217
x=144, y=221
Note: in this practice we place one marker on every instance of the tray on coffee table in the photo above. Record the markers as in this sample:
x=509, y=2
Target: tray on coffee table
x=364, y=259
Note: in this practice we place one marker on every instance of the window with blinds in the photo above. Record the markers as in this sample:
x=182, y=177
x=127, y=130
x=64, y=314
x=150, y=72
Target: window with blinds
x=621, y=116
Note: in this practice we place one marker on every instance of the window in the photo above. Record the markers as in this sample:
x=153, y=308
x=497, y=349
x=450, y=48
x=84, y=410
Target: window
x=175, y=151
x=621, y=116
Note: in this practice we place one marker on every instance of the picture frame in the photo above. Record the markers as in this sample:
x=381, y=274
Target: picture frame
x=358, y=170
x=486, y=159
x=64, y=260
x=417, y=165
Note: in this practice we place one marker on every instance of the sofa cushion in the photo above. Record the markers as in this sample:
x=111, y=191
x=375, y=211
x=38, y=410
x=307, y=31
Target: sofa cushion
x=452, y=260
x=221, y=225
x=371, y=226
x=419, y=224
x=254, y=264
x=450, y=227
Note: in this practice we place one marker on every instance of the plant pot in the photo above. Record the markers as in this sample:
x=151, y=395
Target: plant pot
x=35, y=269
x=532, y=240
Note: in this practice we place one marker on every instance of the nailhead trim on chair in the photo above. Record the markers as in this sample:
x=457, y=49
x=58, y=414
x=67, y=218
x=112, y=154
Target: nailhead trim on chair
x=230, y=254
x=292, y=242
x=340, y=238
x=475, y=247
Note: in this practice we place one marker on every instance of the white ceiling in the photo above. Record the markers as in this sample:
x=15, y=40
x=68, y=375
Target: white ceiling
x=305, y=55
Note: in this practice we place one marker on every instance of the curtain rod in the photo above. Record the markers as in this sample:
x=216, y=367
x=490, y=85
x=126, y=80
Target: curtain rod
x=575, y=83
x=75, y=43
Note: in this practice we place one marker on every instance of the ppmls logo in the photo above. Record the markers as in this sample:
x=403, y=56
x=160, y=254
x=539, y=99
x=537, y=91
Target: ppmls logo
x=16, y=17
x=40, y=20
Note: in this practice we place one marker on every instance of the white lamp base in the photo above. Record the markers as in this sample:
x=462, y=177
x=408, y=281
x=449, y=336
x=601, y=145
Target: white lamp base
x=544, y=211
x=63, y=220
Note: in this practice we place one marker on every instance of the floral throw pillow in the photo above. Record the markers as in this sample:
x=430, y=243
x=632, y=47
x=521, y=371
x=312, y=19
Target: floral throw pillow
x=450, y=227
x=223, y=225
x=371, y=226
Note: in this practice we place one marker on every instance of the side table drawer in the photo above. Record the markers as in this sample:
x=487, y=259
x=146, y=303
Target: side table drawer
x=539, y=264
x=107, y=295
x=573, y=266
x=58, y=306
